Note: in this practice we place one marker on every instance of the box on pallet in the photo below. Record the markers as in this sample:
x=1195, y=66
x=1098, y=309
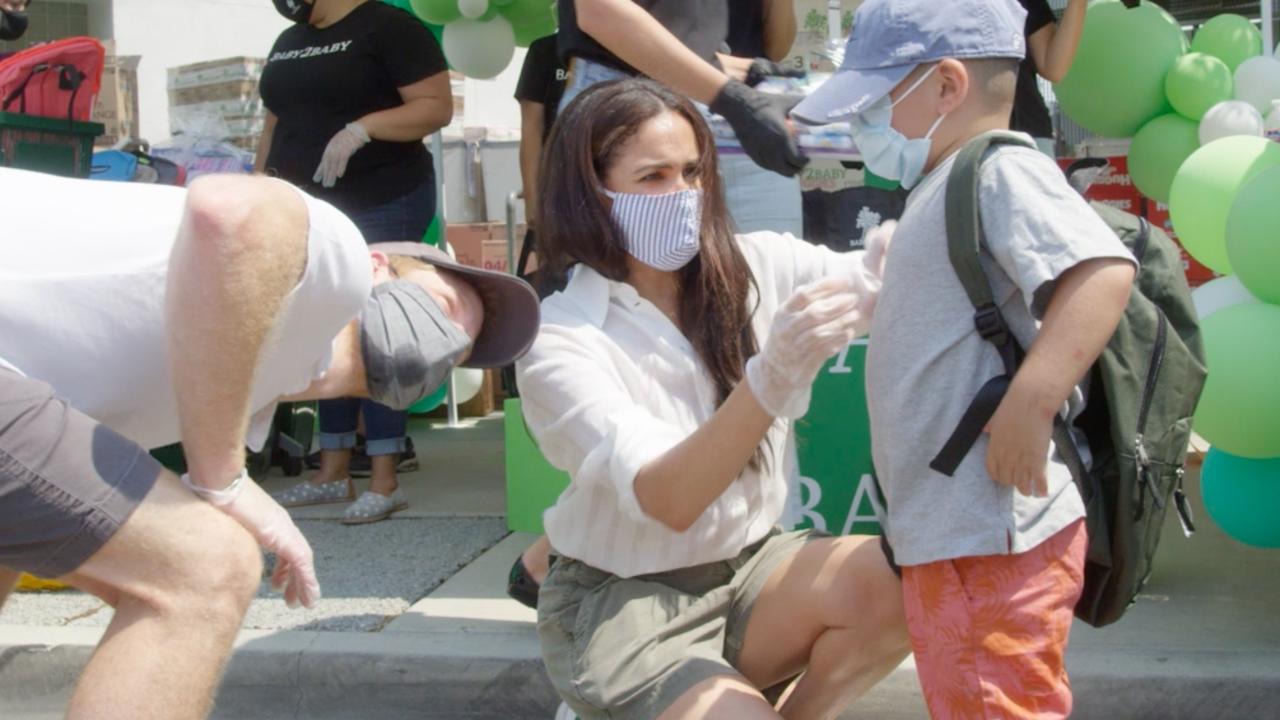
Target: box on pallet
x=218, y=97
x=484, y=245
x=117, y=104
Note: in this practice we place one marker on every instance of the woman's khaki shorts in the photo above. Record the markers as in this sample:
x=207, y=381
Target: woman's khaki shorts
x=630, y=647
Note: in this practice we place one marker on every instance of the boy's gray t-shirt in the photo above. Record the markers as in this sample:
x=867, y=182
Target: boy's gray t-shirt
x=926, y=361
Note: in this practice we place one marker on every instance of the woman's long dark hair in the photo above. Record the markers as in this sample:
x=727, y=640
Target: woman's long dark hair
x=575, y=225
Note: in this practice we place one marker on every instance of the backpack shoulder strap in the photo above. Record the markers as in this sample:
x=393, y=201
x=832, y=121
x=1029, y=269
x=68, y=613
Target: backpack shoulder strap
x=964, y=242
x=964, y=223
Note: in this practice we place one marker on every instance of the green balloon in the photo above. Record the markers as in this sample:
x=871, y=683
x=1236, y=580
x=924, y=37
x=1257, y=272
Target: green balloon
x=1116, y=84
x=1239, y=411
x=1230, y=38
x=527, y=33
x=519, y=12
x=439, y=12
x=1206, y=186
x=1158, y=150
x=1253, y=236
x=1243, y=497
x=1197, y=82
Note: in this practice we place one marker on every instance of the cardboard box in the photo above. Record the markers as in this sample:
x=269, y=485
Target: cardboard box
x=117, y=104
x=216, y=71
x=484, y=245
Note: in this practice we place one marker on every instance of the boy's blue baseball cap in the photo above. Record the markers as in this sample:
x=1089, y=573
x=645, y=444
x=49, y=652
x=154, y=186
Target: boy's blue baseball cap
x=892, y=37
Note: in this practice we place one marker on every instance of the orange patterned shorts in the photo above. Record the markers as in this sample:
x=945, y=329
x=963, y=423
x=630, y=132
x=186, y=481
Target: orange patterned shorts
x=989, y=633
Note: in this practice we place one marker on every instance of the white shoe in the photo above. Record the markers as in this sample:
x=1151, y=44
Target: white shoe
x=564, y=713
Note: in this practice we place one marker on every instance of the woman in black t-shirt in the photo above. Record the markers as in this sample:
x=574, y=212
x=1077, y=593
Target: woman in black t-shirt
x=352, y=88
x=1051, y=49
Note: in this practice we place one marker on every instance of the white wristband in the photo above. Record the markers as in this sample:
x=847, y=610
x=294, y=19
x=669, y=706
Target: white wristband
x=220, y=498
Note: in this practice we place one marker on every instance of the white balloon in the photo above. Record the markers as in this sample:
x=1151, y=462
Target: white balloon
x=479, y=49
x=473, y=8
x=1272, y=123
x=1258, y=82
x=1230, y=117
x=1219, y=294
x=466, y=383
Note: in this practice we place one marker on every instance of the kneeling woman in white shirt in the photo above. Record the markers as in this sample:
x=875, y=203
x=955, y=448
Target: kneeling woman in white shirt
x=664, y=380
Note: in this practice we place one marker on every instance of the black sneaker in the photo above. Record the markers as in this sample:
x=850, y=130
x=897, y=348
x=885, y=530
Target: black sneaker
x=521, y=586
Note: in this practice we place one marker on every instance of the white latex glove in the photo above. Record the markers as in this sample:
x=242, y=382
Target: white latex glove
x=867, y=272
x=270, y=524
x=816, y=322
x=333, y=164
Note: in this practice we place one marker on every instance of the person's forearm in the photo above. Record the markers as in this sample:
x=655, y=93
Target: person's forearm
x=530, y=153
x=641, y=41
x=410, y=122
x=1066, y=40
x=532, y=120
x=264, y=143
x=240, y=249
x=779, y=28
x=676, y=488
x=1081, y=318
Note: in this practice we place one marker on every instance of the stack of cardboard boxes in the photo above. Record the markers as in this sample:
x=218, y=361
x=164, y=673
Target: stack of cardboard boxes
x=218, y=96
x=117, y=104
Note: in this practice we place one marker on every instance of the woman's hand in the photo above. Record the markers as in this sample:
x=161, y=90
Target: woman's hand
x=818, y=321
x=333, y=164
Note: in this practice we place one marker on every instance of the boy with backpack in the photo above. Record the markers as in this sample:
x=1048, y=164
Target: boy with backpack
x=992, y=554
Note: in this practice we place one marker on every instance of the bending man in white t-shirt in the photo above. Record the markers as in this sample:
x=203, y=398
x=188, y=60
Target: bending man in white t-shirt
x=135, y=316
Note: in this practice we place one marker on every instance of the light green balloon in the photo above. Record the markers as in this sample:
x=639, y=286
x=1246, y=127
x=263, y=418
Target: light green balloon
x=1197, y=82
x=1253, y=237
x=1239, y=411
x=1230, y=38
x=1158, y=150
x=531, y=19
x=1116, y=83
x=438, y=12
x=1243, y=497
x=1206, y=186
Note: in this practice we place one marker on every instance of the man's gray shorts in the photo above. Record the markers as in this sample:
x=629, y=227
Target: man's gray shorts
x=67, y=483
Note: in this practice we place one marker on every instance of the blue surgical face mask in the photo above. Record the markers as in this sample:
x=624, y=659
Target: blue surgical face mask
x=661, y=231
x=887, y=152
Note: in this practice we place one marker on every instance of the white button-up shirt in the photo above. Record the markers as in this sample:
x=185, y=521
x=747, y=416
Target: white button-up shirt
x=611, y=384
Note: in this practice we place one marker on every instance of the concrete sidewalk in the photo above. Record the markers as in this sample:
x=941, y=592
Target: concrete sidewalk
x=1203, y=641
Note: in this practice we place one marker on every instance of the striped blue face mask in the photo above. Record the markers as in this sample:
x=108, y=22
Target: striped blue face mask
x=661, y=231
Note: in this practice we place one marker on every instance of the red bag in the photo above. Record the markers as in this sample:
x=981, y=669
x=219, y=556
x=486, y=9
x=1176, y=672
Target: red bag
x=57, y=79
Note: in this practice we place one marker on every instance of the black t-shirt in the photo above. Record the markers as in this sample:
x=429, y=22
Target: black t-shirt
x=1030, y=114
x=542, y=79
x=702, y=25
x=318, y=80
x=746, y=28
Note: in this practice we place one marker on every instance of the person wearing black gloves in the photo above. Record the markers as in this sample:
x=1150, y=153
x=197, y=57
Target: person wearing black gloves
x=675, y=42
x=13, y=19
x=1051, y=49
x=352, y=88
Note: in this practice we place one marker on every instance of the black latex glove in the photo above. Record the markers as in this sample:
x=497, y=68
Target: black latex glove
x=762, y=68
x=760, y=122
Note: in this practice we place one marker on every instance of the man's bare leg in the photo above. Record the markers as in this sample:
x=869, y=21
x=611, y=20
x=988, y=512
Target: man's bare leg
x=180, y=574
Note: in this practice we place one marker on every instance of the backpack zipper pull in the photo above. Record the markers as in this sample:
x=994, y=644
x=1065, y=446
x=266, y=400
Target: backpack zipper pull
x=1143, y=462
x=1185, y=516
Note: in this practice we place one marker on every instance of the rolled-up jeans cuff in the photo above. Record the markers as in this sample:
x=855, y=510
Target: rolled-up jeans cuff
x=388, y=446
x=337, y=441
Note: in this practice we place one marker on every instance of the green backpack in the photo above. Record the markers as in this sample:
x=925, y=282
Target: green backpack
x=1142, y=394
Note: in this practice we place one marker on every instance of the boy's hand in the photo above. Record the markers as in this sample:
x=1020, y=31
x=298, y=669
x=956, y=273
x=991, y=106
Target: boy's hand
x=1018, y=453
